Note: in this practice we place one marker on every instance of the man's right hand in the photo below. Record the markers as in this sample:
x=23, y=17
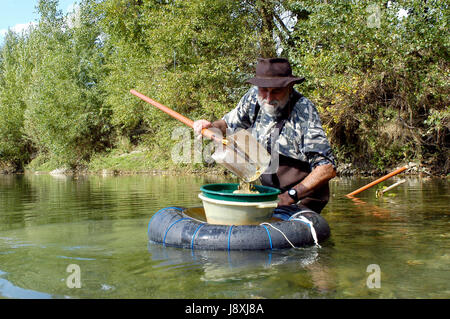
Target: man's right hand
x=199, y=125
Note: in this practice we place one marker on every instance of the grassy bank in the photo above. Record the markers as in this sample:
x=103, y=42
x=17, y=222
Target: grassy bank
x=141, y=160
x=120, y=162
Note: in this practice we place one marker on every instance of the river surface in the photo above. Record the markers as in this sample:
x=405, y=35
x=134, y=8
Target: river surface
x=61, y=233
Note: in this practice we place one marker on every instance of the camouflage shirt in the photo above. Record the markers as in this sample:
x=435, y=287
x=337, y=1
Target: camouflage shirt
x=301, y=138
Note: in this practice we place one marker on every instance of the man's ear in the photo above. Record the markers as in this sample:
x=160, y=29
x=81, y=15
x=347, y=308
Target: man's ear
x=291, y=87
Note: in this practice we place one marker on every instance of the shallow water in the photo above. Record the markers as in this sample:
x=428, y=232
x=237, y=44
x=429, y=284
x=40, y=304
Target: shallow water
x=100, y=224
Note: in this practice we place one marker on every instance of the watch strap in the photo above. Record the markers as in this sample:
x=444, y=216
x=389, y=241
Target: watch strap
x=295, y=196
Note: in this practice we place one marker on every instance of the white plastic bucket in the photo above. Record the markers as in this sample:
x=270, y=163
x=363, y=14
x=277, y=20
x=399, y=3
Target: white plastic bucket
x=223, y=212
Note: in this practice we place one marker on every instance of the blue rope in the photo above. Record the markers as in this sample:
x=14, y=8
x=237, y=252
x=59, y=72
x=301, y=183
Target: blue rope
x=309, y=225
x=270, y=237
x=195, y=233
x=164, y=240
x=159, y=212
x=229, y=237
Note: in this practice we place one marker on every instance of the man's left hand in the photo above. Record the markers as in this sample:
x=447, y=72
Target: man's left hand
x=285, y=199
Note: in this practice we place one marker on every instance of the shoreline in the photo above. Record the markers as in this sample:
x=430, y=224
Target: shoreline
x=343, y=170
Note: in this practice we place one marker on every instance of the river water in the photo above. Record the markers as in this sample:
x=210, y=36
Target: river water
x=95, y=227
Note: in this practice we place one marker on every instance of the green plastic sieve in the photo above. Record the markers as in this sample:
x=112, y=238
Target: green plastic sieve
x=225, y=191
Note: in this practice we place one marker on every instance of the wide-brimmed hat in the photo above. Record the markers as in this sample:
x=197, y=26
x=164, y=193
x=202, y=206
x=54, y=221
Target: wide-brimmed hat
x=274, y=72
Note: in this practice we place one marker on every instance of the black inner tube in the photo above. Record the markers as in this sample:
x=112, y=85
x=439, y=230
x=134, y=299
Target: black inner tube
x=185, y=228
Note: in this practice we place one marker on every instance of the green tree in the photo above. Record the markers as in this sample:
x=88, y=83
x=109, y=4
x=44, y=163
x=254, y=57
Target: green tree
x=15, y=72
x=64, y=117
x=190, y=55
x=382, y=88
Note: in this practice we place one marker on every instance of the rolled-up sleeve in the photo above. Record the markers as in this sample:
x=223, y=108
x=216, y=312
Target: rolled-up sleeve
x=239, y=117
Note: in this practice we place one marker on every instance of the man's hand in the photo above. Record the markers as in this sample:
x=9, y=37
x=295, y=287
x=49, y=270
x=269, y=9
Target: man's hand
x=285, y=199
x=319, y=176
x=199, y=125
x=219, y=125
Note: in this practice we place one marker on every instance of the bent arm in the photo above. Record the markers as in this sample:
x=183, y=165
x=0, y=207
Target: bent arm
x=320, y=175
x=238, y=118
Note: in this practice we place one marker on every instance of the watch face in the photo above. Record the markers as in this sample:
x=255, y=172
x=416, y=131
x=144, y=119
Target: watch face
x=292, y=192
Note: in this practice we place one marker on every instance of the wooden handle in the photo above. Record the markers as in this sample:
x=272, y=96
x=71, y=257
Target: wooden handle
x=381, y=179
x=205, y=132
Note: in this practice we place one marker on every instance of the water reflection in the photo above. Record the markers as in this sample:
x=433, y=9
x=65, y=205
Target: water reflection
x=101, y=224
x=29, y=200
x=9, y=290
x=302, y=265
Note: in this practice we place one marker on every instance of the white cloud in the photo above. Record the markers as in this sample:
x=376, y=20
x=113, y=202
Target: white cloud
x=18, y=28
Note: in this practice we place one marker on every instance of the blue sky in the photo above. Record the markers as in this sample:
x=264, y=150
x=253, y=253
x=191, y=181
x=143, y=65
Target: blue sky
x=18, y=14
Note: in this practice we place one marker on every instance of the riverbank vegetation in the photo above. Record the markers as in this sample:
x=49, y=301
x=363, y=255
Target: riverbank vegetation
x=378, y=72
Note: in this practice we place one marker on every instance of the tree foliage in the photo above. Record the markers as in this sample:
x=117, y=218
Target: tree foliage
x=15, y=73
x=55, y=97
x=382, y=86
x=379, y=80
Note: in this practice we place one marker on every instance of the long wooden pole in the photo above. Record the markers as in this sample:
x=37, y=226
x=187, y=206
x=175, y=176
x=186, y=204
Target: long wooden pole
x=205, y=132
x=381, y=179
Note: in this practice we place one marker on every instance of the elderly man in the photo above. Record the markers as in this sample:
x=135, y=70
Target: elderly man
x=286, y=122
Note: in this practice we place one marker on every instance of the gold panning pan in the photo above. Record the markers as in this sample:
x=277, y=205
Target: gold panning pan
x=240, y=152
x=243, y=155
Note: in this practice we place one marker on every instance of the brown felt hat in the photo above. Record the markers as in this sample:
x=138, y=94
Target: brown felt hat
x=274, y=72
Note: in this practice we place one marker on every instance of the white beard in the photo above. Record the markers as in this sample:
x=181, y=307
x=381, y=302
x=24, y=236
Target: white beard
x=275, y=107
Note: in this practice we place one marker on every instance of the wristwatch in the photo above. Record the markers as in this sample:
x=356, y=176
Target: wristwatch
x=293, y=194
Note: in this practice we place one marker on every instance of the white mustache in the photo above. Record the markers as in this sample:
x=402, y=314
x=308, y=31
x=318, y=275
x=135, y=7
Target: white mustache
x=273, y=107
x=275, y=103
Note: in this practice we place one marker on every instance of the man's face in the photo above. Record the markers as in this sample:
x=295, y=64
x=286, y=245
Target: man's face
x=273, y=100
x=272, y=95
